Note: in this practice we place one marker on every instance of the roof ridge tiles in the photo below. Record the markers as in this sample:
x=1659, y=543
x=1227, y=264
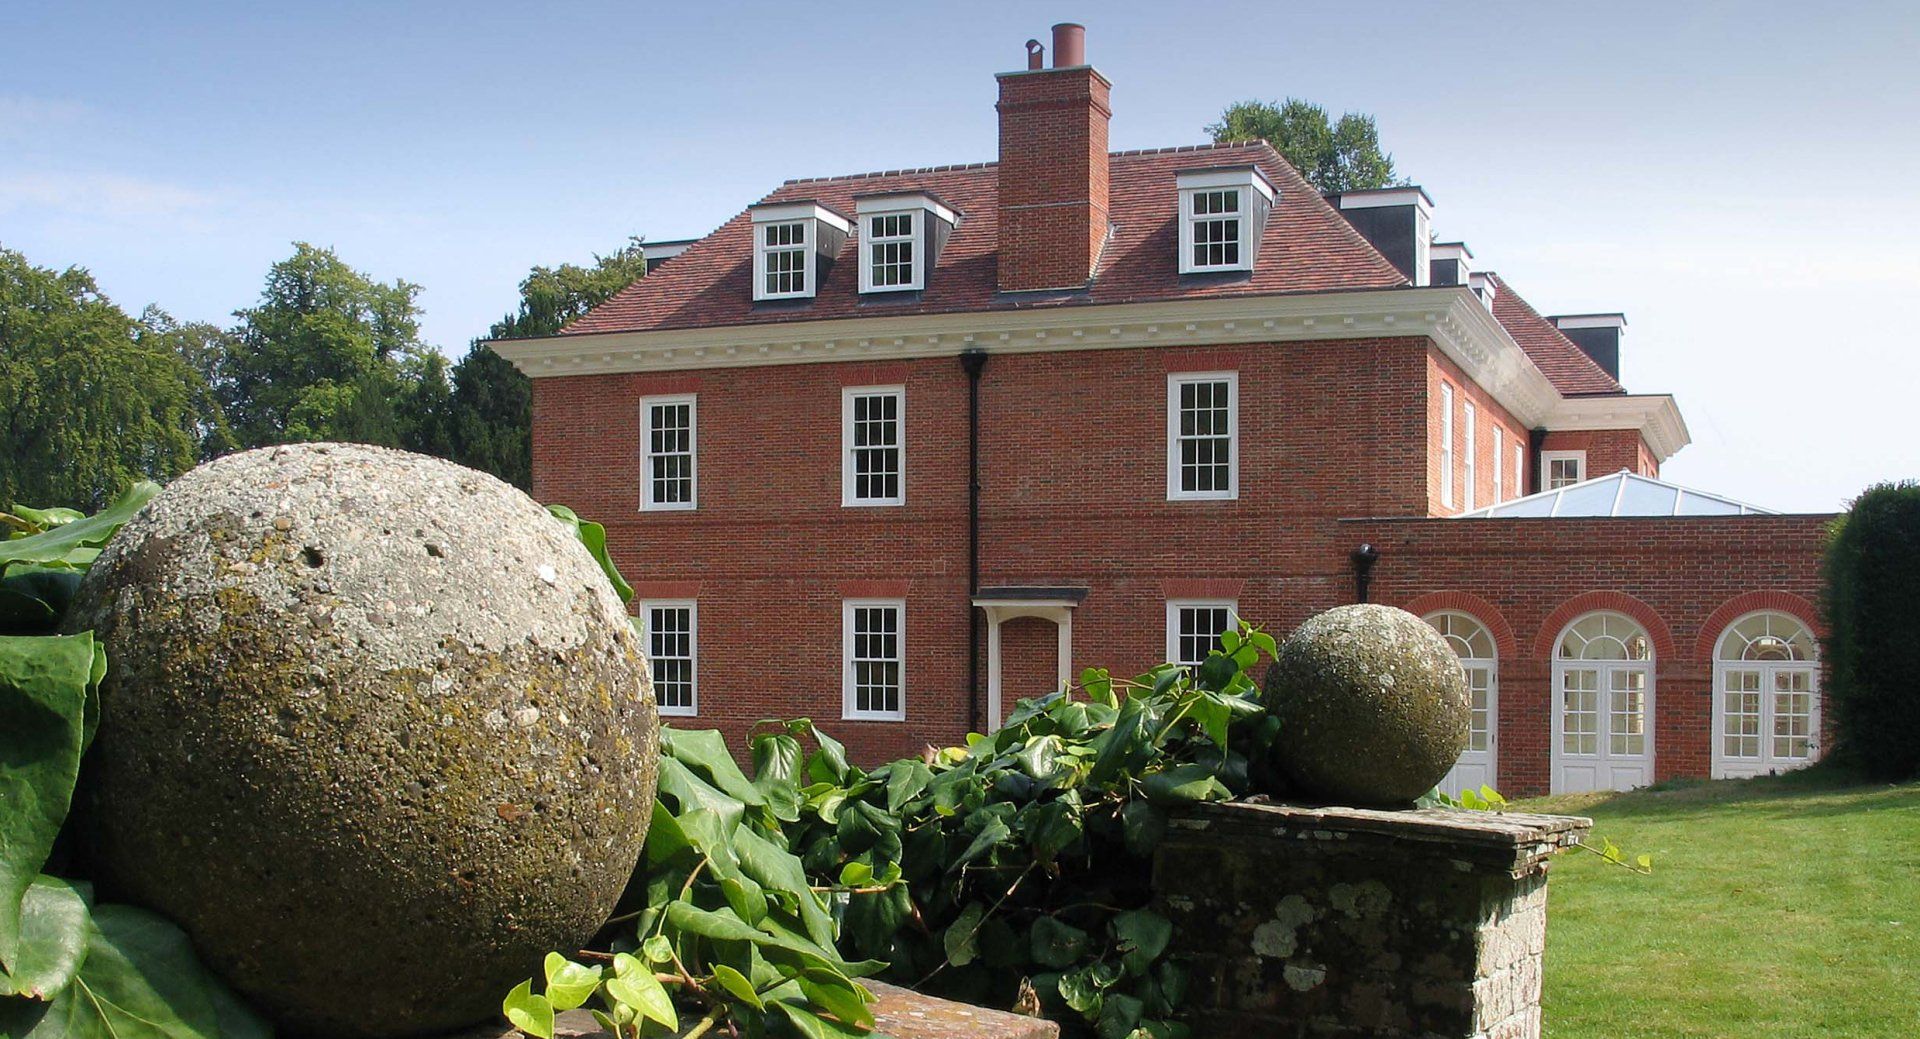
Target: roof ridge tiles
x=958, y=166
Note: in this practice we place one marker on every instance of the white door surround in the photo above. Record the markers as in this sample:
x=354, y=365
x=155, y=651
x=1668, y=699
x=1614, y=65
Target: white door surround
x=1603, y=698
x=1011, y=603
x=1473, y=644
x=1766, y=696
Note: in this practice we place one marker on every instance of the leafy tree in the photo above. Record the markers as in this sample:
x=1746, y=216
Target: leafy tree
x=322, y=356
x=1333, y=156
x=1872, y=572
x=490, y=426
x=91, y=400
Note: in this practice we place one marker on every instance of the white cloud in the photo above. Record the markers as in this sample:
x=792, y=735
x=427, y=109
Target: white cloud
x=109, y=196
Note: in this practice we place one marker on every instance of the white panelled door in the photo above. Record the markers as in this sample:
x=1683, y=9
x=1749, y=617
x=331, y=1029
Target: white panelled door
x=1473, y=644
x=1603, y=706
x=1766, y=697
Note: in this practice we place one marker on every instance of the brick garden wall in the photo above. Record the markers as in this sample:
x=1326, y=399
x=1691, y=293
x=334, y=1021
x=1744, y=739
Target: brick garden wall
x=1684, y=579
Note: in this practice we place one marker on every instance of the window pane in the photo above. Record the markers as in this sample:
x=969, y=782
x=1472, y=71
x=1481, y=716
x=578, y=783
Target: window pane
x=1204, y=443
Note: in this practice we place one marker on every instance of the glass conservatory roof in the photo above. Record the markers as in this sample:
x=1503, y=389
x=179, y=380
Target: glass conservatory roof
x=1622, y=494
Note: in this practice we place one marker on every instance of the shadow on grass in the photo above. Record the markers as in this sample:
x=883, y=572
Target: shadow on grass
x=1795, y=794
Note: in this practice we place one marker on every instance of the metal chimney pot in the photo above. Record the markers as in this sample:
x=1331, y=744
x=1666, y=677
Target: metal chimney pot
x=1069, y=45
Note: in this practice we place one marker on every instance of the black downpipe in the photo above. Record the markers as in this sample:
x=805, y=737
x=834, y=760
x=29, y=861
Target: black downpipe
x=974, y=361
x=1536, y=438
x=1364, y=559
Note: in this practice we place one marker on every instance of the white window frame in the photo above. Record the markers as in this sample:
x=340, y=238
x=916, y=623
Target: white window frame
x=1499, y=464
x=648, y=503
x=1519, y=467
x=693, y=651
x=1471, y=470
x=1174, y=608
x=848, y=483
x=1547, y=458
x=1176, y=380
x=1446, y=444
x=1246, y=182
x=921, y=208
x=761, y=252
x=810, y=214
x=848, y=694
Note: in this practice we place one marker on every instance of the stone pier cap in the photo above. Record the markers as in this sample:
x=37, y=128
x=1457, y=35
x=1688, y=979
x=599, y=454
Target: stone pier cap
x=1514, y=842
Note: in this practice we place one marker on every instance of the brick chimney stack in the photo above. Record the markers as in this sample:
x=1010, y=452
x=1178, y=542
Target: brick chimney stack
x=1053, y=169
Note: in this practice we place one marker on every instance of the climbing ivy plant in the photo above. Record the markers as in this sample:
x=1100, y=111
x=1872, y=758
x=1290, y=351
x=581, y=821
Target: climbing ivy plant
x=71, y=968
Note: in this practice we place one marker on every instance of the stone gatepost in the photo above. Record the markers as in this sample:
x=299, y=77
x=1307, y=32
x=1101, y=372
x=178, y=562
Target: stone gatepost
x=1349, y=922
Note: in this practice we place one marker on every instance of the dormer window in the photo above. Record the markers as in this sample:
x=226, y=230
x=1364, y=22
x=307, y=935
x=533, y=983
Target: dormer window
x=901, y=236
x=793, y=245
x=1222, y=214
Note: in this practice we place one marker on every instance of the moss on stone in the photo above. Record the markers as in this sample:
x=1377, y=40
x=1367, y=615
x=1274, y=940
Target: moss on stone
x=308, y=755
x=1372, y=704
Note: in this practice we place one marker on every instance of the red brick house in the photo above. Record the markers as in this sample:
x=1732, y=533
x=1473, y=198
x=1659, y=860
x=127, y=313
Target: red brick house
x=892, y=450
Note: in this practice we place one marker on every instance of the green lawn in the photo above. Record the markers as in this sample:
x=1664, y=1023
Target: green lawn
x=1778, y=907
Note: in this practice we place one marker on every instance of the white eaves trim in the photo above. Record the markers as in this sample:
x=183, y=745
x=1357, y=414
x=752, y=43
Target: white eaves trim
x=1655, y=415
x=1226, y=177
x=905, y=202
x=1374, y=198
x=1463, y=328
x=781, y=213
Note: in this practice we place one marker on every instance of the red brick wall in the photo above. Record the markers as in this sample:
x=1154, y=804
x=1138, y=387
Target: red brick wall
x=1053, y=179
x=1490, y=415
x=1073, y=492
x=1608, y=450
x=1684, y=579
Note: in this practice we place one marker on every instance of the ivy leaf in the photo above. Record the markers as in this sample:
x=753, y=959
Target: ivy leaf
x=45, y=685
x=776, y=759
x=53, y=939
x=594, y=536
x=643, y=992
x=1056, y=944
x=569, y=983
x=839, y=997
x=1143, y=936
x=71, y=543
x=1119, y=743
x=1118, y=1016
x=1079, y=992
x=1141, y=827
x=1055, y=826
x=528, y=1012
x=737, y=986
x=657, y=949
x=1263, y=642
x=812, y=1026
x=991, y=834
x=962, y=938
x=906, y=781
x=1184, y=784
x=139, y=979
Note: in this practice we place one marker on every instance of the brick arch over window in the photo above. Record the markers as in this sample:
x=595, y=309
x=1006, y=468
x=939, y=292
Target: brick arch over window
x=1752, y=602
x=1474, y=606
x=1618, y=602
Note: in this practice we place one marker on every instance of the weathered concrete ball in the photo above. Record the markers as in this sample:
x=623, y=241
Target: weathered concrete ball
x=375, y=731
x=1372, y=704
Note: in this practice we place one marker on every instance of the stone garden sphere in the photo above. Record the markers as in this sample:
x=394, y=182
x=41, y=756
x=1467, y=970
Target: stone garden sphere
x=1372, y=704
x=375, y=731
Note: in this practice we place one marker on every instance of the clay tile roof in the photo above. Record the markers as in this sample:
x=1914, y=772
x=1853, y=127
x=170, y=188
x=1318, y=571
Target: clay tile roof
x=1307, y=247
x=1565, y=365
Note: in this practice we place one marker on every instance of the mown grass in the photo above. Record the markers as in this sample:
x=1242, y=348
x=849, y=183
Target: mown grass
x=1779, y=907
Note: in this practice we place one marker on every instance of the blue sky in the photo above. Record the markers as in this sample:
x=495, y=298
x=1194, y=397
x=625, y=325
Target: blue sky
x=1742, y=180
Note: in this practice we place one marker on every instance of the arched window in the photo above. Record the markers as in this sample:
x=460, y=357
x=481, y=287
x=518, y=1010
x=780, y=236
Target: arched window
x=1605, y=636
x=1473, y=644
x=1766, y=704
x=1603, y=705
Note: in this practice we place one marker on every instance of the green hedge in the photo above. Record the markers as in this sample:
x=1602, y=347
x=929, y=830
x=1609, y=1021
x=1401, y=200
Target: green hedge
x=1873, y=618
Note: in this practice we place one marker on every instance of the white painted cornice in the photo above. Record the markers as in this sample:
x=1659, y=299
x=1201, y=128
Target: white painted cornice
x=1655, y=415
x=1462, y=327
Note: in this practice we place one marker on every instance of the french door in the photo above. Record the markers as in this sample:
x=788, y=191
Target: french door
x=1767, y=717
x=1602, y=725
